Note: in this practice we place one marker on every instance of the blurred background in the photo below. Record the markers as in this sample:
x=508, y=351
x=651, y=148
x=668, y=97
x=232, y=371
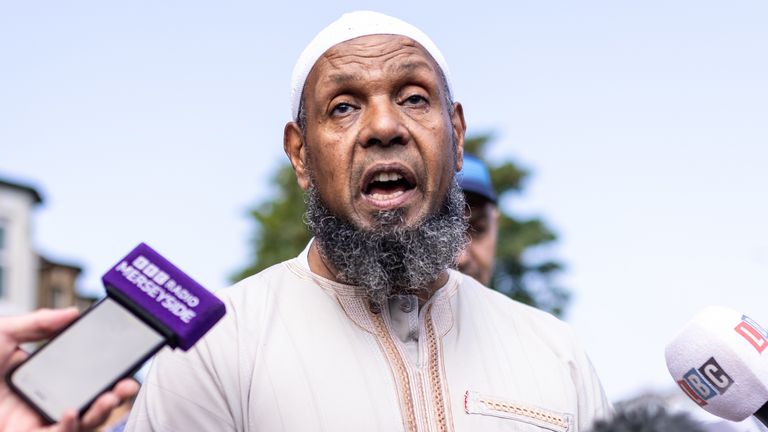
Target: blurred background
x=642, y=128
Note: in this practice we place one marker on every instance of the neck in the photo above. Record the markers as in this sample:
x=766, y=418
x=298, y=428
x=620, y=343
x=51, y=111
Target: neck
x=318, y=265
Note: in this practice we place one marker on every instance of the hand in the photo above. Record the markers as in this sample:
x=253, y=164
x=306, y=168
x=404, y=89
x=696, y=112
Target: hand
x=15, y=414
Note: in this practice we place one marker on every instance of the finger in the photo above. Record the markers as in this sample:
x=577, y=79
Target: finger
x=37, y=325
x=126, y=389
x=17, y=357
x=100, y=410
x=123, y=390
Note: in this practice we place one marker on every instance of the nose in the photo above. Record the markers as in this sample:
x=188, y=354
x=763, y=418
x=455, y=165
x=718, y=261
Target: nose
x=383, y=124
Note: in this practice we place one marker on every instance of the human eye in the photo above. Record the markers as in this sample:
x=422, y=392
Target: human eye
x=341, y=109
x=415, y=100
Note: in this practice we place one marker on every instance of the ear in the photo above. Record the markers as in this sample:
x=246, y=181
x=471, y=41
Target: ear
x=293, y=144
x=459, y=129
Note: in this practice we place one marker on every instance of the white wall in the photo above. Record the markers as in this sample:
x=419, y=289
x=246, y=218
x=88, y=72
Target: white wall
x=19, y=261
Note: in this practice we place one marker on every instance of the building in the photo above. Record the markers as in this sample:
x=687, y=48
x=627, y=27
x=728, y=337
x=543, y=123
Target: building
x=28, y=280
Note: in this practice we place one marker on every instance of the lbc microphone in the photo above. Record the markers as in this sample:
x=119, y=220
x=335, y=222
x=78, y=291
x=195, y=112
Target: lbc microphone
x=720, y=360
x=150, y=303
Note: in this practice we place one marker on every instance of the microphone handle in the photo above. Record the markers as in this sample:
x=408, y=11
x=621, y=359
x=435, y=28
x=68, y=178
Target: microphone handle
x=762, y=414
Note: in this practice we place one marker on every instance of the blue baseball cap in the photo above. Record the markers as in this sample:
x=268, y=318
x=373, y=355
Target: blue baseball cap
x=474, y=177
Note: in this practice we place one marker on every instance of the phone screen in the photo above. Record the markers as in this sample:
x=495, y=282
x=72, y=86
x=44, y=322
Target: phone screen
x=87, y=358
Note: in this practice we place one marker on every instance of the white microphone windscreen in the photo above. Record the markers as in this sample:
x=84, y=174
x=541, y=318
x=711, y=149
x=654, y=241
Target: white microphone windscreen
x=720, y=360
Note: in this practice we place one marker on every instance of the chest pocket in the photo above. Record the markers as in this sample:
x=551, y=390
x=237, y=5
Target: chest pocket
x=476, y=403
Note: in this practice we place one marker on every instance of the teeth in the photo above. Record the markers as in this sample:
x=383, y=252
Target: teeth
x=383, y=177
x=383, y=197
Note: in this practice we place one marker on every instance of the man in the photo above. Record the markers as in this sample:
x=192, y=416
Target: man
x=478, y=257
x=368, y=329
x=15, y=414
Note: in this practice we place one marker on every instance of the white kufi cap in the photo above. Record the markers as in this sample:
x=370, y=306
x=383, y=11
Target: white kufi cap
x=350, y=26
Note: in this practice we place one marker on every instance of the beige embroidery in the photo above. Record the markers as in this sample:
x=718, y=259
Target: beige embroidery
x=422, y=397
x=475, y=403
x=528, y=412
x=434, y=373
x=400, y=372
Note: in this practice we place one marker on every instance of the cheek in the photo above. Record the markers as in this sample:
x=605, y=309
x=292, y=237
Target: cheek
x=332, y=179
x=486, y=249
x=330, y=182
x=328, y=160
x=440, y=169
x=484, y=245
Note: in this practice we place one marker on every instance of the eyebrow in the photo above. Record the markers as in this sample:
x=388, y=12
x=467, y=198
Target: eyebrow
x=344, y=78
x=412, y=66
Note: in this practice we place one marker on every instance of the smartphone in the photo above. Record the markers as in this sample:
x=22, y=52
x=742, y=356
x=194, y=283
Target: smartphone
x=104, y=345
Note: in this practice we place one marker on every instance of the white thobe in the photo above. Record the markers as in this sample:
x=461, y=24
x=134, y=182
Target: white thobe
x=297, y=352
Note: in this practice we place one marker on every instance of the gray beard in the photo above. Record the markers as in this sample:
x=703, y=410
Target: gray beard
x=390, y=259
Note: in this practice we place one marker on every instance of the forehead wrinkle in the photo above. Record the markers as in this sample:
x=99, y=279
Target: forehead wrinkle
x=366, y=53
x=405, y=67
x=371, y=46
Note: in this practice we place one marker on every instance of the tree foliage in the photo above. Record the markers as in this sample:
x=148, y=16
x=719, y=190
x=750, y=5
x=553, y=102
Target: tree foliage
x=280, y=230
x=281, y=234
x=518, y=272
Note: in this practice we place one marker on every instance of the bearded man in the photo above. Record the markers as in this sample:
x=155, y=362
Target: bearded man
x=369, y=329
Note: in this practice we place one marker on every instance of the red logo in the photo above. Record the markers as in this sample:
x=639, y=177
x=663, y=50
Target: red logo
x=752, y=335
x=691, y=394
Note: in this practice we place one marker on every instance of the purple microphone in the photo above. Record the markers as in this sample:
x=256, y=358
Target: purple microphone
x=161, y=294
x=150, y=303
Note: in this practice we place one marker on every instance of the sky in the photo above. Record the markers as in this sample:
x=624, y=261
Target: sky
x=644, y=125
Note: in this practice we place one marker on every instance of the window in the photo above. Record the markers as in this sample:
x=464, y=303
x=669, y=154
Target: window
x=58, y=297
x=2, y=282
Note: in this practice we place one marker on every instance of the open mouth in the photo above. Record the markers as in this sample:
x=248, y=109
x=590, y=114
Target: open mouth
x=387, y=184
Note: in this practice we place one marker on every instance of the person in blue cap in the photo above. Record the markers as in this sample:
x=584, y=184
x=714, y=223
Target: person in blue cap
x=478, y=257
